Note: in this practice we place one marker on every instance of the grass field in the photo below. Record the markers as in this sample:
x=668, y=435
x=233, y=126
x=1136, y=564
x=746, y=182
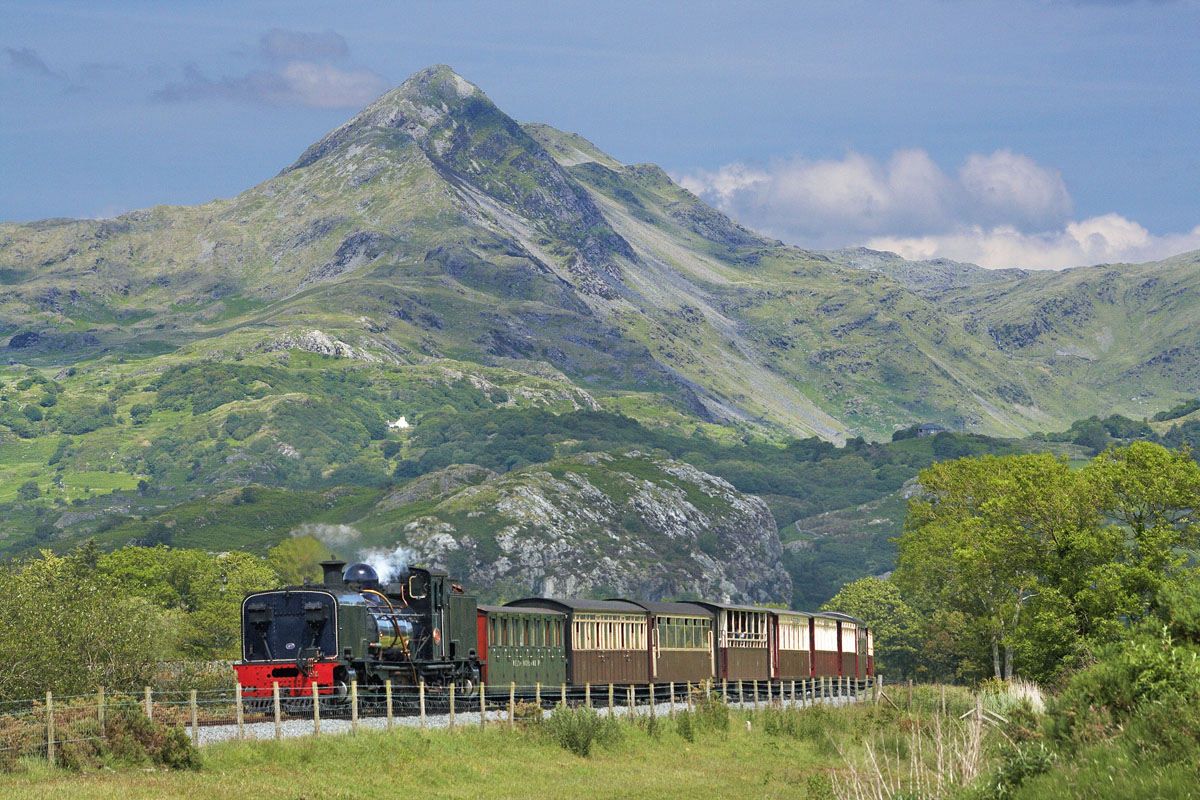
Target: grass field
x=469, y=763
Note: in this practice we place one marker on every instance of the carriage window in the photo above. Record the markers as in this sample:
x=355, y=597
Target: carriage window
x=745, y=629
x=825, y=635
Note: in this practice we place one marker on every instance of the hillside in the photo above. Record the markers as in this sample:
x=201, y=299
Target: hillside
x=434, y=259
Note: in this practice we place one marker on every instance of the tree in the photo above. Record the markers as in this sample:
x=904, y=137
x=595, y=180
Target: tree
x=987, y=533
x=28, y=491
x=895, y=626
x=1153, y=495
x=297, y=559
x=203, y=590
x=65, y=630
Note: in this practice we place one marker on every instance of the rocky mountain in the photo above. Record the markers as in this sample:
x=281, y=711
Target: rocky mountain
x=433, y=257
x=600, y=524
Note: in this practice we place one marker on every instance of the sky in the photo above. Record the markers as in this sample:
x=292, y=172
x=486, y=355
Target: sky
x=1029, y=133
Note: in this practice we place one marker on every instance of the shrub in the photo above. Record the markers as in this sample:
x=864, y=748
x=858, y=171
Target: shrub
x=578, y=729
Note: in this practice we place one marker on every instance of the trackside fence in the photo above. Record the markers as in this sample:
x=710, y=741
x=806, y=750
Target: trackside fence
x=48, y=727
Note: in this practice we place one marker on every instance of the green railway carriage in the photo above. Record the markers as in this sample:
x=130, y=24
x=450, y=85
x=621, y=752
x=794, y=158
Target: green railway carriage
x=606, y=640
x=524, y=646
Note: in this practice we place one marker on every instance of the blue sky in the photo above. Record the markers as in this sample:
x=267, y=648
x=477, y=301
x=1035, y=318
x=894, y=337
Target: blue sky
x=1038, y=134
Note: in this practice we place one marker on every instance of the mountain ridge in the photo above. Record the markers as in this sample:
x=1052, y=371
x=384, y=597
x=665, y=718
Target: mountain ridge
x=455, y=231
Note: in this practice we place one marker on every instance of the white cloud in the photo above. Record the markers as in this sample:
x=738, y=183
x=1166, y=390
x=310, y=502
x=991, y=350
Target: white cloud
x=1001, y=209
x=1105, y=239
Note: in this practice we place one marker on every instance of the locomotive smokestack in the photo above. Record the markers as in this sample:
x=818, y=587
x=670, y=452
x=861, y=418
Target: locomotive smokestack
x=332, y=571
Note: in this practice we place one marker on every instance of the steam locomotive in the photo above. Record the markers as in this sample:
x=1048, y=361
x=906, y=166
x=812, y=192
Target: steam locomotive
x=422, y=628
x=351, y=627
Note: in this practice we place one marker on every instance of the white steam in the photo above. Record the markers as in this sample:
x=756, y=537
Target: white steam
x=333, y=536
x=388, y=564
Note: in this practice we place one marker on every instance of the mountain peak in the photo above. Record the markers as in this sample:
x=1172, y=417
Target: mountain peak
x=419, y=105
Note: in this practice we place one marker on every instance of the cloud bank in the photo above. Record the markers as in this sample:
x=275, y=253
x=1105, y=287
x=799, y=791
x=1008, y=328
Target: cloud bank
x=302, y=72
x=1001, y=209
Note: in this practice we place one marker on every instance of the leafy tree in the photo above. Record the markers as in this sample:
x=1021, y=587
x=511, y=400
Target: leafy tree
x=204, y=590
x=66, y=630
x=28, y=491
x=297, y=560
x=895, y=625
x=988, y=532
x=139, y=413
x=1153, y=494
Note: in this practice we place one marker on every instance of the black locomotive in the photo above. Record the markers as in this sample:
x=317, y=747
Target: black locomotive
x=420, y=628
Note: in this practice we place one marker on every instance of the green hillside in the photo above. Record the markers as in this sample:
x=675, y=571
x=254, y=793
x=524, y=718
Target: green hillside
x=521, y=298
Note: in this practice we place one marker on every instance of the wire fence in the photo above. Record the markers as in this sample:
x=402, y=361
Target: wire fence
x=49, y=727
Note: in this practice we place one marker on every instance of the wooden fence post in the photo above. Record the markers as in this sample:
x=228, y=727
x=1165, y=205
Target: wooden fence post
x=671, y=690
x=512, y=703
x=564, y=695
x=50, y=728
x=195, y=722
x=756, y=694
x=610, y=699
x=387, y=688
x=275, y=702
x=587, y=694
x=651, y=700
x=421, y=701
x=316, y=709
x=100, y=709
x=724, y=691
x=482, y=705
x=537, y=693
x=741, y=694
x=237, y=695
x=769, y=698
x=689, y=696
x=452, y=704
x=632, y=702
x=150, y=702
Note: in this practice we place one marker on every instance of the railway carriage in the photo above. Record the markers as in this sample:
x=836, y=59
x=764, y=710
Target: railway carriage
x=848, y=643
x=522, y=645
x=681, y=641
x=791, y=645
x=826, y=646
x=742, y=651
x=606, y=640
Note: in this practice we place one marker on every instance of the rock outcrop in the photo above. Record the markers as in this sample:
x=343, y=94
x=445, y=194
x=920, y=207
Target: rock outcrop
x=598, y=525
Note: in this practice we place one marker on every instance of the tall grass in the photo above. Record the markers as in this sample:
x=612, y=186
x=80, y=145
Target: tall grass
x=933, y=757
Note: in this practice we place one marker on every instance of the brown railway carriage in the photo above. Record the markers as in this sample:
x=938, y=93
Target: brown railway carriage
x=742, y=648
x=681, y=641
x=606, y=640
x=791, y=645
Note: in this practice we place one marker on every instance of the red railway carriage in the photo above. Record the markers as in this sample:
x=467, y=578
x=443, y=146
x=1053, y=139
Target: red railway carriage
x=826, y=646
x=791, y=645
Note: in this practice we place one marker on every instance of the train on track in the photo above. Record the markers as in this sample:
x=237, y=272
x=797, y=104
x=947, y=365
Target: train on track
x=424, y=629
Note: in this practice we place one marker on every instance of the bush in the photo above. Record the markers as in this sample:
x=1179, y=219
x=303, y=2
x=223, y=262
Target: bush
x=578, y=729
